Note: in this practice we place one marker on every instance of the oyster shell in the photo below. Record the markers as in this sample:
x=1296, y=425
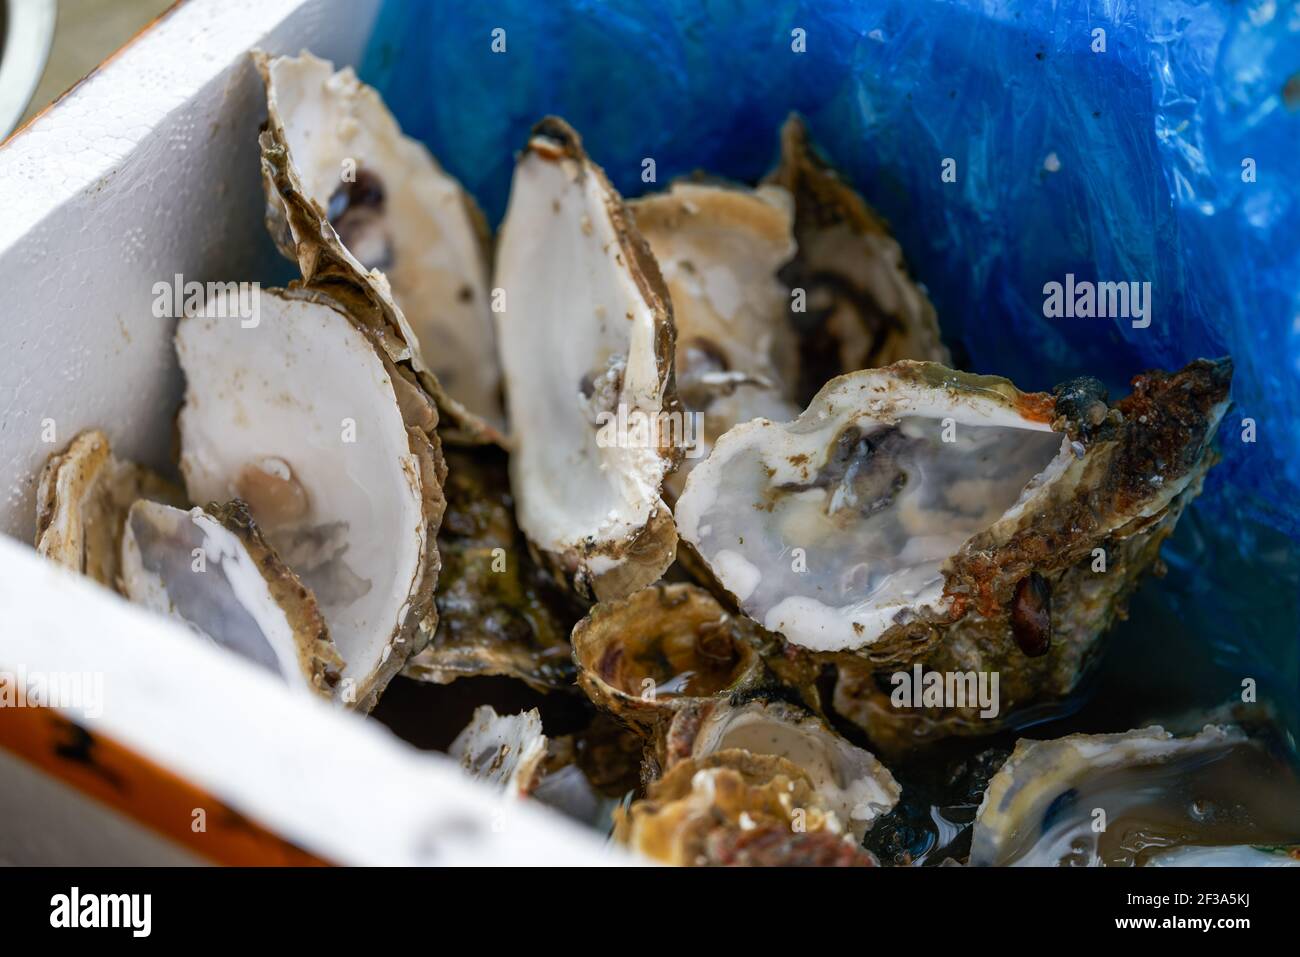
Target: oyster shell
x=1086, y=540
x=344, y=480
x=720, y=249
x=734, y=807
x=506, y=751
x=586, y=343
x=644, y=658
x=584, y=776
x=1126, y=799
x=498, y=612
x=370, y=217
x=214, y=571
x=914, y=508
x=1241, y=855
x=863, y=308
x=82, y=499
x=849, y=782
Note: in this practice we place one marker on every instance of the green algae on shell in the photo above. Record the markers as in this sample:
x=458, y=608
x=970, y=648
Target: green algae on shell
x=499, y=613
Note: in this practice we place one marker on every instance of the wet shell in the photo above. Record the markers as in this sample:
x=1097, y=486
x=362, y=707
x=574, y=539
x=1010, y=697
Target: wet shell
x=499, y=613
x=734, y=807
x=1127, y=799
x=646, y=657
x=850, y=782
x=720, y=249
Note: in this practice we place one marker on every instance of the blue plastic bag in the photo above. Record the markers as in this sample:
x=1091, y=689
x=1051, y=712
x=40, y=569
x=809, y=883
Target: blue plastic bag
x=1150, y=142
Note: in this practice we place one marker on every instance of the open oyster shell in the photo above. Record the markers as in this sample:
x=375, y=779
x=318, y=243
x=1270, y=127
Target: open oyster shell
x=646, y=657
x=720, y=248
x=507, y=751
x=81, y=504
x=215, y=572
x=734, y=807
x=1127, y=799
x=1041, y=586
x=370, y=217
x=586, y=341
x=863, y=309
x=584, y=776
x=849, y=782
x=1240, y=855
x=914, y=504
x=499, y=613
x=334, y=449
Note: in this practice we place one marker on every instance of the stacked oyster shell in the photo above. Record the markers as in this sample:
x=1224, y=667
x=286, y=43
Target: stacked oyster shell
x=695, y=465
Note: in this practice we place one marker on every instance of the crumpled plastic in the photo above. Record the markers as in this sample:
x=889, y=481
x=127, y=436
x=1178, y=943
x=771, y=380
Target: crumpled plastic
x=1139, y=142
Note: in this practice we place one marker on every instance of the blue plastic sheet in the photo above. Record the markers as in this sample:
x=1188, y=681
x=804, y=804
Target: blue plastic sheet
x=1152, y=141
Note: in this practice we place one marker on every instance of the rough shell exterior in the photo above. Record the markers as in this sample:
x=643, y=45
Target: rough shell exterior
x=82, y=499
x=1143, y=461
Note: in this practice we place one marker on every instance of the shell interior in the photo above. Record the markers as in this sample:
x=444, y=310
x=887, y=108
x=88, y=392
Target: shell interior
x=506, y=751
x=299, y=417
x=720, y=249
x=1122, y=799
x=188, y=566
x=850, y=782
x=585, y=340
x=835, y=526
x=396, y=210
x=861, y=307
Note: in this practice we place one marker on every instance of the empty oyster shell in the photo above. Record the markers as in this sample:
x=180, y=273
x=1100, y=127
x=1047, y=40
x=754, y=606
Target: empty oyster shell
x=1241, y=855
x=214, y=571
x=498, y=612
x=507, y=751
x=1047, y=581
x=1124, y=799
x=909, y=503
x=647, y=656
x=586, y=342
x=81, y=504
x=720, y=249
x=734, y=807
x=344, y=480
x=370, y=217
x=584, y=776
x=850, y=782
x=863, y=309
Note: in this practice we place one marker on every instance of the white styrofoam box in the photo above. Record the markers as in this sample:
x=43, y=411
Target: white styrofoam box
x=147, y=169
